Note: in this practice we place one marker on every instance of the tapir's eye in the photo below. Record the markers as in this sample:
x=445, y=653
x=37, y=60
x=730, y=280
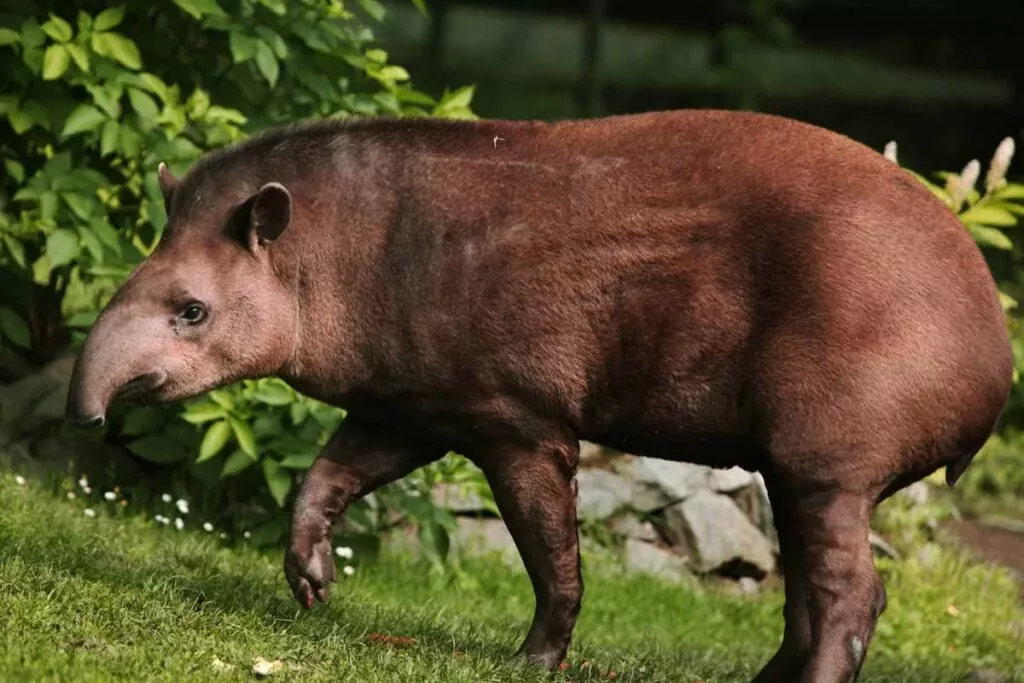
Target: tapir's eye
x=194, y=313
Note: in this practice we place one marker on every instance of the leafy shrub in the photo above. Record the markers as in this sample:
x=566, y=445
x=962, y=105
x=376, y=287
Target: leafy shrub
x=103, y=94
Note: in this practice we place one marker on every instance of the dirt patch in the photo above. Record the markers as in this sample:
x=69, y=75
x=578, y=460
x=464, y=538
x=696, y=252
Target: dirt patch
x=993, y=544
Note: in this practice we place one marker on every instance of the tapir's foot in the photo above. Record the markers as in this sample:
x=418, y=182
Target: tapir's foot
x=547, y=659
x=309, y=568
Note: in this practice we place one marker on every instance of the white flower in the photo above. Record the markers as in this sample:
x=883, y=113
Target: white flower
x=247, y=535
x=110, y=495
x=223, y=535
x=87, y=490
x=19, y=480
x=166, y=498
x=343, y=552
x=83, y=482
x=71, y=495
x=890, y=151
x=162, y=520
x=207, y=527
x=999, y=165
x=960, y=186
x=89, y=512
x=178, y=523
x=182, y=506
x=347, y=570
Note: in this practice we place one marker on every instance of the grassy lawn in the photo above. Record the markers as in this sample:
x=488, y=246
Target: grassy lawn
x=124, y=598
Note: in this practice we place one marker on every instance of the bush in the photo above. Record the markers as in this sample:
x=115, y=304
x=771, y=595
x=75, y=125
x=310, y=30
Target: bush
x=103, y=94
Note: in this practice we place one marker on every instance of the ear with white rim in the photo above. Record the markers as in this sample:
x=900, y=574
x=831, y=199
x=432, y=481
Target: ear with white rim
x=269, y=213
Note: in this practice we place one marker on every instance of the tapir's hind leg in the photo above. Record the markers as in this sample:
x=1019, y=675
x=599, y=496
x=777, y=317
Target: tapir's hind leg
x=536, y=494
x=844, y=593
x=789, y=661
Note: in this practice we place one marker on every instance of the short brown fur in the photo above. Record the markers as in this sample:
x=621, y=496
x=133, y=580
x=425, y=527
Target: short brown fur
x=717, y=287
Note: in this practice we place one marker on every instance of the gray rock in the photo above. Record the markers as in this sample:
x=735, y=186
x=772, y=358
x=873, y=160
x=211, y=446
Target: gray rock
x=647, y=558
x=601, y=494
x=732, y=479
x=486, y=536
x=629, y=526
x=458, y=499
x=719, y=536
x=918, y=492
x=984, y=676
x=595, y=454
x=765, y=520
x=658, y=483
x=35, y=400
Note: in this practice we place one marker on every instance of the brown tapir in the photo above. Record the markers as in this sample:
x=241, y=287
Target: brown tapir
x=717, y=287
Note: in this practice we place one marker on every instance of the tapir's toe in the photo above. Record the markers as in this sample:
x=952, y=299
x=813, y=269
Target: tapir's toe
x=309, y=569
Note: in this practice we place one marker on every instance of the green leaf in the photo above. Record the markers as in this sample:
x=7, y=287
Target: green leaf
x=144, y=105
x=223, y=399
x=279, y=480
x=199, y=8
x=278, y=7
x=80, y=205
x=16, y=249
x=84, y=118
x=990, y=237
x=14, y=328
x=106, y=100
x=80, y=56
x=243, y=47
x=203, y=412
x=988, y=214
x=109, y=18
x=394, y=73
x=83, y=320
x=1010, y=191
x=421, y=5
x=373, y=8
x=55, y=62
x=274, y=40
x=273, y=394
x=158, y=448
x=235, y=463
x=62, y=247
x=215, y=438
x=141, y=420
x=244, y=436
x=301, y=461
x=459, y=98
x=267, y=63
x=15, y=169
x=118, y=47
x=58, y=29
x=109, y=137
x=9, y=37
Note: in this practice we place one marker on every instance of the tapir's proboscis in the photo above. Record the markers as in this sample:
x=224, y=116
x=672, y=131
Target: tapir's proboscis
x=722, y=288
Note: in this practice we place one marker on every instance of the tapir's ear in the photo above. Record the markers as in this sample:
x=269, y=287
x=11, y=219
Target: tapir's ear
x=168, y=183
x=269, y=214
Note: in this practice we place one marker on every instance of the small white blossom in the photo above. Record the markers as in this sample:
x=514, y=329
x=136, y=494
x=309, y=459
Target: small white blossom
x=999, y=165
x=247, y=535
x=110, y=495
x=19, y=480
x=71, y=495
x=178, y=523
x=182, y=506
x=960, y=186
x=347, y=570
x=343, y=552
x=87, y=490
x=83, y=482
x=207, y=527
x=162, y=520
x=223, y=535
x=89, y=512
x=890, y=151
x=166, y=498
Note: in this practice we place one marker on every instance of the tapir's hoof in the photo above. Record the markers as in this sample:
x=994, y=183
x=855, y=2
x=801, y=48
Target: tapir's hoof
x=309, y=568
x=546, y=660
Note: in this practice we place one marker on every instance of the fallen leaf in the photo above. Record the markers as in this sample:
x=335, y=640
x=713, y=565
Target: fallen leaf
x=261, y=668
x=384, y=639
x=952, y=611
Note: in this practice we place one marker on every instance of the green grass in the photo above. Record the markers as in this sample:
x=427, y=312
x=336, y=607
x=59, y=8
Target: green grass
x=109, y=598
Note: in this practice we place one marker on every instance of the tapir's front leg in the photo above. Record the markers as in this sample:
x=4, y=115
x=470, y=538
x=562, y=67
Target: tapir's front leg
x=358, y=459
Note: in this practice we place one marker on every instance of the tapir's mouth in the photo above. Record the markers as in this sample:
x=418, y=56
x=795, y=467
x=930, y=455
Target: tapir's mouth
x=143, y=388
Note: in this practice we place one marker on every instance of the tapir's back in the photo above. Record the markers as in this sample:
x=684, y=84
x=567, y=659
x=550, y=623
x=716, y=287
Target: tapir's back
x=690, y=279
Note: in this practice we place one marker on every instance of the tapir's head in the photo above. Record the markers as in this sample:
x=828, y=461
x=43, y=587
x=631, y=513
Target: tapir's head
x=211, y=304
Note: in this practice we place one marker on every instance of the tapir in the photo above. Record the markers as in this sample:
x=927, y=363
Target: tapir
x=716, y=287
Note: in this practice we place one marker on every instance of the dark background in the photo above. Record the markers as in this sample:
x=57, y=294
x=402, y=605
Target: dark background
x=945, y=78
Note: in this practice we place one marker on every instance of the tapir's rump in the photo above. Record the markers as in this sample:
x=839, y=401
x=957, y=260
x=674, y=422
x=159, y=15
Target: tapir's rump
x=717, y=287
